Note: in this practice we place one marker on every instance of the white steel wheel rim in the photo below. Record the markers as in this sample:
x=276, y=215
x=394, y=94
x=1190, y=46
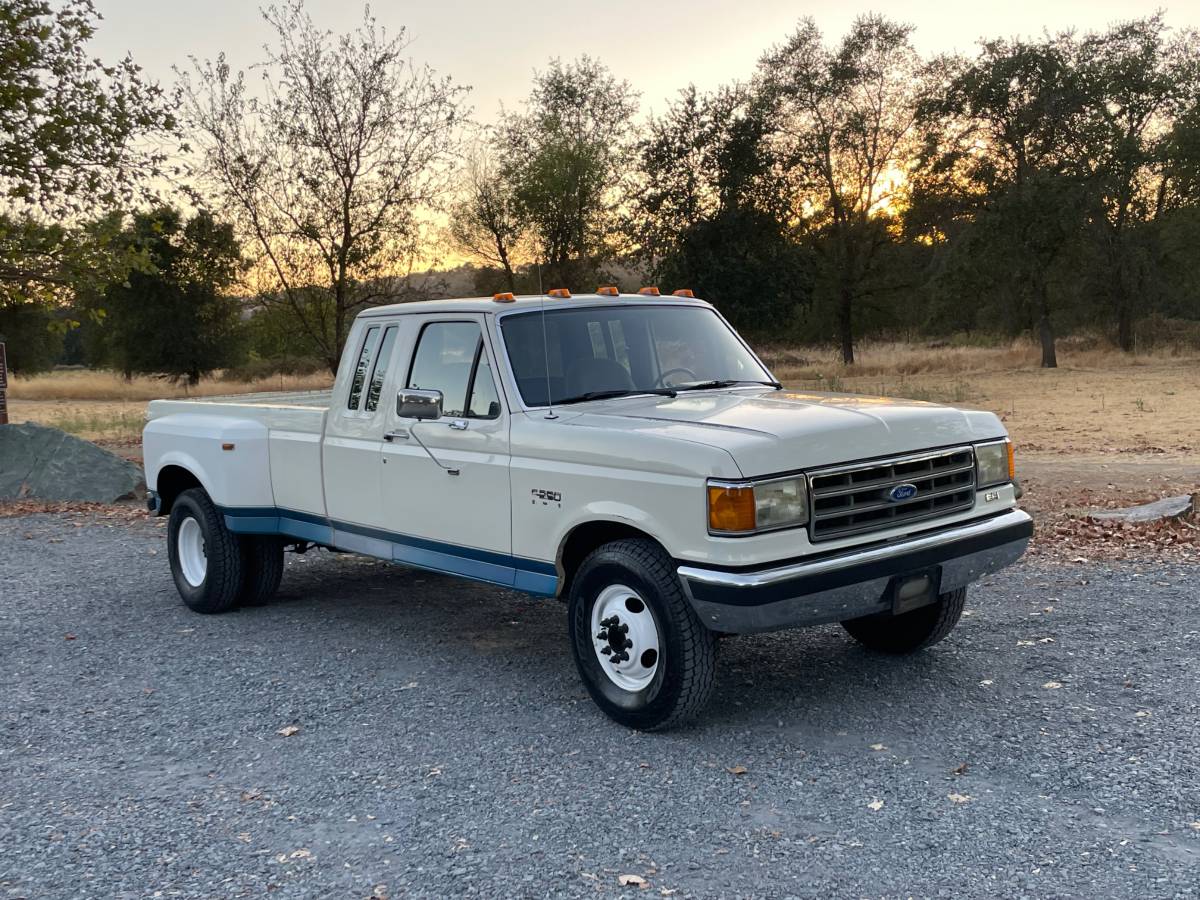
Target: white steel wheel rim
x=628, y=648
x=193, y=560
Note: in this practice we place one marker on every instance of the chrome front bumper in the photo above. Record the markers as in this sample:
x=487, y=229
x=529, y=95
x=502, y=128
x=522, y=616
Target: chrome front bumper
x=854, y=583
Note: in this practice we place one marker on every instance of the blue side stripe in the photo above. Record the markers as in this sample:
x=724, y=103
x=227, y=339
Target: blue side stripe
x=533, y=576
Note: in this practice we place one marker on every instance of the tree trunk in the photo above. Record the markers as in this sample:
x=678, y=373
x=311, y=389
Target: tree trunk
x=1124, y=325
x=509, y=277
x=846, y=326
x=339, y=323
x=1046, y=335
x=1124, y=302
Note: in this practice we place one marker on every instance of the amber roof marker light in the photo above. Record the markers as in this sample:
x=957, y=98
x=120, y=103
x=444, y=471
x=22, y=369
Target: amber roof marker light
x=506, y=297
x=650, y=291
x=559, y=292
x=683, y=292
x=608, y=290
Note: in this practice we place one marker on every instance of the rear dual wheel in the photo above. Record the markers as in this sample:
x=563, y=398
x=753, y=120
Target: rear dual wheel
x=214, y=569
x=911, y=631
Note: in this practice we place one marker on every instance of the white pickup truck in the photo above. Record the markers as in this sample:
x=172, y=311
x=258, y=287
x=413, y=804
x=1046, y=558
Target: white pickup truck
x=628, y=454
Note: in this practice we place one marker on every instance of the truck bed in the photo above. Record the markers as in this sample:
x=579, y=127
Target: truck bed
x=276, y=438
x=299, y=411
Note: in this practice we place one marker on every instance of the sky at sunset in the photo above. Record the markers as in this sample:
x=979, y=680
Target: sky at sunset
x=658, y=45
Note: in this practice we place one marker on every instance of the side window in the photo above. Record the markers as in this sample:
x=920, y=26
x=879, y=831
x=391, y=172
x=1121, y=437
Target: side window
x=443, y=362
x=596, y=334
x=485, y=402
x=360, y=370
x=620, y=348
x=379, y=376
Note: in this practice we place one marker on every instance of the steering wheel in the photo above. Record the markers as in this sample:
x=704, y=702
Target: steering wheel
x=662, y=379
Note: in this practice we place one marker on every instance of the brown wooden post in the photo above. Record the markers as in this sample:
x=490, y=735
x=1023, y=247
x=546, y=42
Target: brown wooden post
x=3, y=386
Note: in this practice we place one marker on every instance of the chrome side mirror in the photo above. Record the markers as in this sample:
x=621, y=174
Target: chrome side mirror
x=414, y=404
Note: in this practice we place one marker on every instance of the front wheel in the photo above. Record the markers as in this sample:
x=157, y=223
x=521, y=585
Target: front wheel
x=643, y=654
x=205, y=556
x=910, y=631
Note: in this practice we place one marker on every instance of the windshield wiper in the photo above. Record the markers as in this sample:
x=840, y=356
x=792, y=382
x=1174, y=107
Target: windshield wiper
x=724, y=383
x=609, y=395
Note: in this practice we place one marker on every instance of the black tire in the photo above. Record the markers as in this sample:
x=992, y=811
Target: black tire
x=683, y=679
x=217, y=591
x=262, y=569
x=910, y=631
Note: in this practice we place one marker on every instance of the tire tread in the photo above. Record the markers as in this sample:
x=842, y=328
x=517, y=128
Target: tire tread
x=262, y=569
x=223, y=574
x=698, y=643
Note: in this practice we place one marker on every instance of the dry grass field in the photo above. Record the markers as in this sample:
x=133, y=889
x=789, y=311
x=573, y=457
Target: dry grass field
x=104, y=407
x=1104, y=429
x=86, y=384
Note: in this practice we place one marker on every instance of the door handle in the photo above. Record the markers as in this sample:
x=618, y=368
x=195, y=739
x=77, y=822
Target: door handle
x=459, y=424
x=390, y=436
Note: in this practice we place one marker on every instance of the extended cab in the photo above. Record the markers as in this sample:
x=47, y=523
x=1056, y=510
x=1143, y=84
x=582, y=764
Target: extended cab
x=629, y=454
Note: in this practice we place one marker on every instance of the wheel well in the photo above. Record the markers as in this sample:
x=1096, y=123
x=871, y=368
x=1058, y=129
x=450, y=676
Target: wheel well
x=173, y=481
x=585, y=538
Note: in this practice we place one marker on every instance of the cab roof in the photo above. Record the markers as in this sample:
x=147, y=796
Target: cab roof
x=527, y=302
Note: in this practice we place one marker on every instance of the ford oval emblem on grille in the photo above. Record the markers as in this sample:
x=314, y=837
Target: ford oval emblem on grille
x=902, y=492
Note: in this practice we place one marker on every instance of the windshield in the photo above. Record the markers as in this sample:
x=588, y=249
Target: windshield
x=615, y=350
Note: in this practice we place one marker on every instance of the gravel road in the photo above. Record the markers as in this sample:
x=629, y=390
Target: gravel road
x=446, y=747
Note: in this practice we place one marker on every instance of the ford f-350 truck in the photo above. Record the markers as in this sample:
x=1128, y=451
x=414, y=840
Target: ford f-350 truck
x=626, y=453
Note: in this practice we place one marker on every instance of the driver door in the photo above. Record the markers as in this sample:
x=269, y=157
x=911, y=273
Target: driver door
x=447, y=504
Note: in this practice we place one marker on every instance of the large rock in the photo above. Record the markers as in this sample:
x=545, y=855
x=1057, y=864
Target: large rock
x=41, y=463
x=1167, y=508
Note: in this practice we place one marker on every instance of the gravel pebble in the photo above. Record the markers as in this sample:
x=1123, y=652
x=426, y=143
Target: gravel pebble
x=444, y=744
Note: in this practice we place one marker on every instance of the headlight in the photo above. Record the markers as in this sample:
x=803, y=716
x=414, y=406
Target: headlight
x=748, y=507
x=994, y=464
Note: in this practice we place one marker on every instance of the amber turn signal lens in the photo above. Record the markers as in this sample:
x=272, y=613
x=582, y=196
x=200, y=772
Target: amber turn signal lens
x=506, y=297
x=1012, y=463
x=559, y=292
x=609, y=290
x=730, y=509
x=650, y=291
x=683, y=292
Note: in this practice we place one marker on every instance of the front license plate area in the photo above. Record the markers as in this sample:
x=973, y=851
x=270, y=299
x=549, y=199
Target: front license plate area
x=914, y=590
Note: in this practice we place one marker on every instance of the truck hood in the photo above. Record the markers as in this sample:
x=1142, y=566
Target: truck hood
x=776, y=431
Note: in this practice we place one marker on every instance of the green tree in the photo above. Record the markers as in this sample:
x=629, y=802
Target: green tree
x=843, y=126
x=485, y=223
x=563, y=158
x=327, y=177
x=708, y=210
x=1138, y=80
x=177, y=319
x=77, y=139
x=272, y=333
x=32, y=342
x=998, y=172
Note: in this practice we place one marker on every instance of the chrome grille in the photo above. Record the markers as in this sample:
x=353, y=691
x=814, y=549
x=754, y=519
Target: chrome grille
x=850, y=500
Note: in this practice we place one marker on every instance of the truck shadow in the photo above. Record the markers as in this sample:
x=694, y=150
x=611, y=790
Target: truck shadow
x=804, y=679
